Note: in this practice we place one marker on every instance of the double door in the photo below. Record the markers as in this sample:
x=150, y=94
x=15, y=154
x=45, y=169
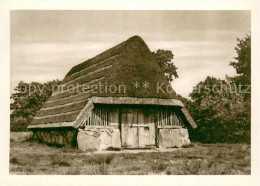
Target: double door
x=137, y=128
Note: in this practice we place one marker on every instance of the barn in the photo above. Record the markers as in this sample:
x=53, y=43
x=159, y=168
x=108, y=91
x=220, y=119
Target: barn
x=118, y=99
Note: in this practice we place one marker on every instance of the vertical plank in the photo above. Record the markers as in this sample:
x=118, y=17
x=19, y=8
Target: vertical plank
x=93, y=118
x=106, y=116
x=130, y=134
x=146, y=135
x=175, y=121
x=171, y=117
x=140, y=129
x=100, y=116
x=178, y=121
x=110, y=116
x=135, y=137
x=134, y=116
x=163, y=113
x=116, y=116
x=135, y=128
x=166, y=116
x=152, y=131
x=97, y=117
x=140, y=117
x=141, y=137
x=157, y=119
x=160, y=117
x=123, y=128
x=103, y=116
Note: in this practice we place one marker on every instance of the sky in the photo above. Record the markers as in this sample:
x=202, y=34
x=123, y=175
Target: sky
x=45, y=45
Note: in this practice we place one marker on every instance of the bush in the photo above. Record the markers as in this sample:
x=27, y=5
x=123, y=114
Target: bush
x=18, y=125
x=24, y=106
x=14, y=160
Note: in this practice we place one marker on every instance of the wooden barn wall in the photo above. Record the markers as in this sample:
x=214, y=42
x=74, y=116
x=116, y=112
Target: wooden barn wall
x=104, y=115
x=140, y=125
x=109, y=115
x=112, y=116
x=166, y=116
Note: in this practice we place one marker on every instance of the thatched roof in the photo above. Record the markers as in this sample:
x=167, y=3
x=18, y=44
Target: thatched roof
x=120, y=66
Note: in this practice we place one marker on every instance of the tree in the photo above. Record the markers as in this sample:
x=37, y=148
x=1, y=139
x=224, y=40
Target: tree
x=242, y=62
x=164, y=59
x=27, y=99
x=221, y=113
x=221, y=110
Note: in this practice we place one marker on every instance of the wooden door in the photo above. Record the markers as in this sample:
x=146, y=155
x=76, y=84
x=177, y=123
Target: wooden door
x=138, y=130
x=129, y=129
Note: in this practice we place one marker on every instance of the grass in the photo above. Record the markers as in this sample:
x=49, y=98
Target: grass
x=56, y=161
x=158, y=167
x=188, y=146
x=203, y=159
x=100, y=159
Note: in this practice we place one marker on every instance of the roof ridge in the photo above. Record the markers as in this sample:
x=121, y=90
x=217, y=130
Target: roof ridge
x=114, y=49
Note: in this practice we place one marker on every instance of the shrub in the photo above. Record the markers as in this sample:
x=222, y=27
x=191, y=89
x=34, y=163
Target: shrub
x=14, y=160
x=18, y=124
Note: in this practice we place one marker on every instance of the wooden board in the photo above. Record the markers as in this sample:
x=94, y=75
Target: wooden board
x=124, y=128
x=138, y=130
x=129, y=130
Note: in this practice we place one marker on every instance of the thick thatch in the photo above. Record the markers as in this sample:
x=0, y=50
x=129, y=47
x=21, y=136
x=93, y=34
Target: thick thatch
x=122, y=65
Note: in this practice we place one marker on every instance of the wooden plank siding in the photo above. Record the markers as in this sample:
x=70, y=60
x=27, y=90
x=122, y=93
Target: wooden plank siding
x=168, y=117
x=139, y=124
x=103, y=115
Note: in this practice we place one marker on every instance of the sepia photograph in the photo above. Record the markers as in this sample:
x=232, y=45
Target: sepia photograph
x=130, y=92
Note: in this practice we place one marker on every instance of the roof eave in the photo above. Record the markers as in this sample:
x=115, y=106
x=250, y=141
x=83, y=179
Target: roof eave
x=117, y=100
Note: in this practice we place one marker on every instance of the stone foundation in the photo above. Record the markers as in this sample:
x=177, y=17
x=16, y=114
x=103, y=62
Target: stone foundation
x=105, y=138
x=173, y=137
x=56, y=136
x=99, y=139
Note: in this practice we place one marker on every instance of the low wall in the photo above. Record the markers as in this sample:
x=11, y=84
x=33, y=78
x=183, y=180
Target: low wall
x=58, y=136
x=173, y=137
x=105, y=138
x=98, y=139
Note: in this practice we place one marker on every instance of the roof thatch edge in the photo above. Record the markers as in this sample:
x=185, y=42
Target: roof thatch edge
x=117, y=100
